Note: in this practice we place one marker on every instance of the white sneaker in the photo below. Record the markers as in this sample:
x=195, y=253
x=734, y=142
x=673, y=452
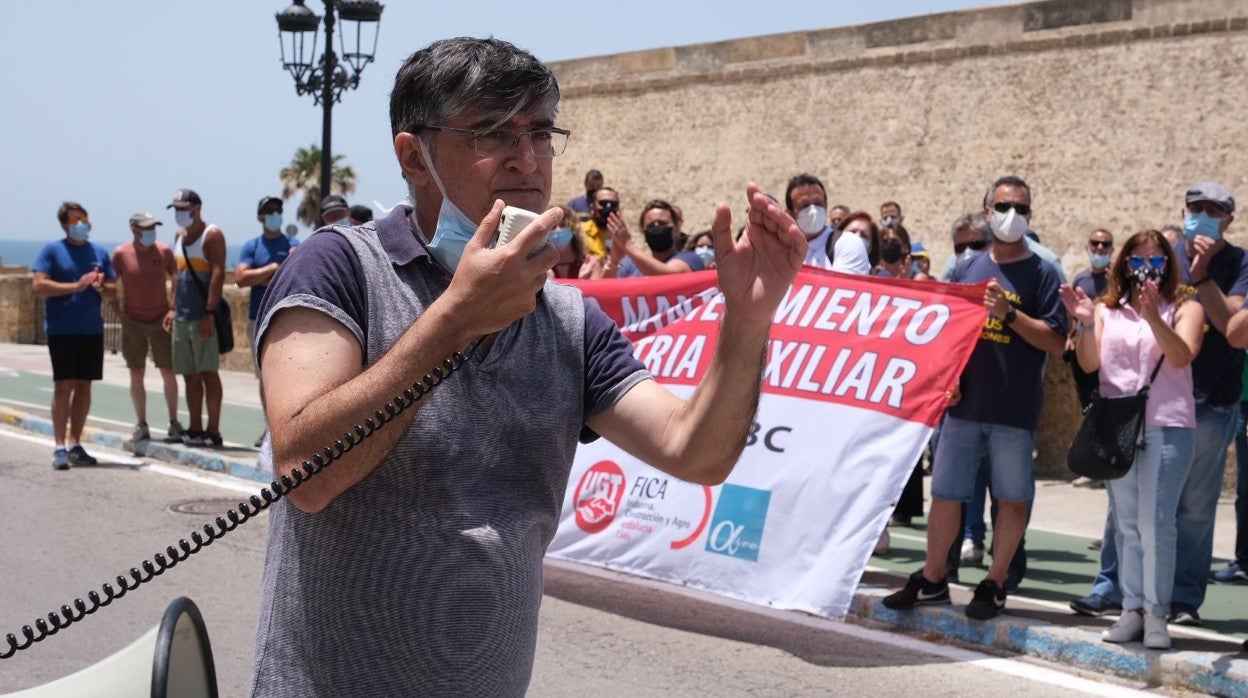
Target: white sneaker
x=1128, y=628
x=882, y=545
x=1156, y=636
x=972, y=552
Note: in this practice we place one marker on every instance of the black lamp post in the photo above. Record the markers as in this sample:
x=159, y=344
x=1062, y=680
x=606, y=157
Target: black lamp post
x=326, y=77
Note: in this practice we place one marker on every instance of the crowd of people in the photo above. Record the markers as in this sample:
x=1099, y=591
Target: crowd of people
x=461, y=507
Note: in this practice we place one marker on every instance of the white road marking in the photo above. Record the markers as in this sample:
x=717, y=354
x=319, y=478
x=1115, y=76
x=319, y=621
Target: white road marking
x=1013, y=667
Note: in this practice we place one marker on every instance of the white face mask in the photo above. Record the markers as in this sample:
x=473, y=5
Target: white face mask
x=812, y=220
x=183, y=218
x=1009, y=226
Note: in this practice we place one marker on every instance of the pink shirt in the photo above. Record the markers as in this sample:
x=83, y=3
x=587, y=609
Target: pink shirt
x=143, y=274
x=1129, y=353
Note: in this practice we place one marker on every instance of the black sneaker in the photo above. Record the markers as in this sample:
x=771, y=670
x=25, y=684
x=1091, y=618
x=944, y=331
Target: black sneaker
x=1095, y=605
x=79, y=456
x=918, y=592
x=989, y=600
x=1185, y=616
x=213, y=439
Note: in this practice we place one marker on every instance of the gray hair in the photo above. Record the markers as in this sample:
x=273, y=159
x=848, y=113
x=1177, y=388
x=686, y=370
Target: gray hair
x=449, y=77
x=971, y=221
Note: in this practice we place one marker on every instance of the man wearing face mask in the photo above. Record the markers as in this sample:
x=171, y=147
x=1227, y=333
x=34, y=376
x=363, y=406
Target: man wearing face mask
x=147, y=271
x=449, y=506
x=605, y=202
x=996, y=407
x=1092, y=281
x=581, y=205
x=335, y=210
x=807, y=202
x=971, y=235
x=890, y=214
x=262, y=255
x=1218, y=271
x=660, y=222
x=199, y=252
x=73, y=275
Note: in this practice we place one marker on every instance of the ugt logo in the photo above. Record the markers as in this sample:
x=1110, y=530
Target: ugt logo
x=597, y=497
x=737, y=525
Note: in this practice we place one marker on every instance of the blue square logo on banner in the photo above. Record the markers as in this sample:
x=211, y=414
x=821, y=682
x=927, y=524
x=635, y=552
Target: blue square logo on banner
x=737, y=525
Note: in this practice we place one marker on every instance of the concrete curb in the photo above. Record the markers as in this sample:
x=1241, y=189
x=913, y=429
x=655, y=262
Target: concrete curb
x=205, y=459
x=1214, y=674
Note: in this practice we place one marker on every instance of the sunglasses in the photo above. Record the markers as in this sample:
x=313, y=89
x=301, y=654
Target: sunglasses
x=1156, y=261
x=960, y=247
x=1100, y=244
x=1003, y=206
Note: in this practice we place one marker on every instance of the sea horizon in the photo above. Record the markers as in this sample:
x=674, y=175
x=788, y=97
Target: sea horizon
x=22, y=253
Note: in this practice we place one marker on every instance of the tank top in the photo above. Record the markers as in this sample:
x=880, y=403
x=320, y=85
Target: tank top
x=189, y=301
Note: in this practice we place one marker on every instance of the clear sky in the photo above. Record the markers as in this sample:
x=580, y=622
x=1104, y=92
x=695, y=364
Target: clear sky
x=117, y=104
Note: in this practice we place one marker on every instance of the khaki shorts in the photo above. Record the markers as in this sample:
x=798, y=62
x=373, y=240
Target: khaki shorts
x=138, y=335
x=192, y=354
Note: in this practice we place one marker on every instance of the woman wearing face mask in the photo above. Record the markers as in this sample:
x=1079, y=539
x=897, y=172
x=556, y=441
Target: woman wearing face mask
x=703, y=245
x=574, y=261
x=1141, y=326
x=860, y=223
x=894, y=253
x=660, y=221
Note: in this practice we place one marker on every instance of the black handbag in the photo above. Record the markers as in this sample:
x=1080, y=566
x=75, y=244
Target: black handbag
x=222, y=319
x=1112, y=431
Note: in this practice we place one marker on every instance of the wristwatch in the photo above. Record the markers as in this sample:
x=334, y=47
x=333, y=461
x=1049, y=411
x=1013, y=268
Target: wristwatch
x=1011, y=316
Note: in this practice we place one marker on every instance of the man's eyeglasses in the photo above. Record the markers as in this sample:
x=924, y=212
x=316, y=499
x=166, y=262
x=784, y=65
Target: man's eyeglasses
x=494, y=143
x=1003, y=206
x=960, y=247
x=1156, y=261
x=1101, y=244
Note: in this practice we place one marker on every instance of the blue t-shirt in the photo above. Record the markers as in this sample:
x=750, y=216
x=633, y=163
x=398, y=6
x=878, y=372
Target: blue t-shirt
x=262, y=251
x=1003, y=381
x=74, y=313
x=628, y=269
x=1092, y=284
x=1217, y=370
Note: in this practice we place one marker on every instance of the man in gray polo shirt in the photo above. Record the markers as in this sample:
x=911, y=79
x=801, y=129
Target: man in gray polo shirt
x=413, y=565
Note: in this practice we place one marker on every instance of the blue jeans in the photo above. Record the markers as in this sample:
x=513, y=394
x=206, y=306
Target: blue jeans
x=1143, y=504
x=1215, y=425
x=1241, y=487
x=973, y=527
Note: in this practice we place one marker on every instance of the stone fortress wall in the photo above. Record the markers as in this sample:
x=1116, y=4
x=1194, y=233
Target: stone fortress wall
x=1109, y=109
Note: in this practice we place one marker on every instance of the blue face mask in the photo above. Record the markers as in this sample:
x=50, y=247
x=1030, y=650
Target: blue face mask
x=1201, y=224
x=706, y=253
x=1099, y=260
x=560, y=238
x=273, y=221
x=147, y=238
x=454, y=229
x=80, y=231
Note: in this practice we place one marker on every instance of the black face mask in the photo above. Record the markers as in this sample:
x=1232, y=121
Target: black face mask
x=891, y=252
x=659, y=237
x=1144, y=274
x=604, y=211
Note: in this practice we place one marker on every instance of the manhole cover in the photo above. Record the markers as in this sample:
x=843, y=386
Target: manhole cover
x=205, y=507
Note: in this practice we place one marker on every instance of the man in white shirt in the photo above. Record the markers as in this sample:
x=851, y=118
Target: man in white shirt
x=807, y=201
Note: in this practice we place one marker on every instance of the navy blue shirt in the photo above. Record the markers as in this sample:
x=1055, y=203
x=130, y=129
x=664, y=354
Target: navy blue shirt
x=79, y=312
x=628, y=269
x=262, y=251
x=1092, y=284
x=1003, y=381
x=1217, y=371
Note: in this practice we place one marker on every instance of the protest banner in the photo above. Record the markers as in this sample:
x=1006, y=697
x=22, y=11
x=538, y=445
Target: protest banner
x=857, y=374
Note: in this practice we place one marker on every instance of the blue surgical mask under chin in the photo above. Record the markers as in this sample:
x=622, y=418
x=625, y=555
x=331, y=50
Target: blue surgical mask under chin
x=273, y=221
x=80, y=231
x=1201, y=224
x=453, y=230
x=1099, y=261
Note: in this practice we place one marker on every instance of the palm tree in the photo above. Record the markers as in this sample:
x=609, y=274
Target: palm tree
x=303, y=177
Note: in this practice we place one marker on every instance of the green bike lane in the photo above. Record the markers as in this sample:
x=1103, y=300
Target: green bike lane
x=1060, y=568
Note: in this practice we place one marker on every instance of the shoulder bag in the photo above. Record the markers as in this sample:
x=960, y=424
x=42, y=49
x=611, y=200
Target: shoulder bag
x=1112, y=431
x=221, y=318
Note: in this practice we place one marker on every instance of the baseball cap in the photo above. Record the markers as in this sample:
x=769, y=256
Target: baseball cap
x=918, y=250
x=264, y=203
x=1212, y=192
x=183, y=198
x=333, y=202
x=144, y=220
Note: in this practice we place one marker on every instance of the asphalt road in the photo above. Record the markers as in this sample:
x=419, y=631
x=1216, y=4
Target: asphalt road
x=64, y=533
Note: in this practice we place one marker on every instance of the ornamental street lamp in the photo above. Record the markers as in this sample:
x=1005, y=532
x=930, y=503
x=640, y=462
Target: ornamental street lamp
x=327, y=77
